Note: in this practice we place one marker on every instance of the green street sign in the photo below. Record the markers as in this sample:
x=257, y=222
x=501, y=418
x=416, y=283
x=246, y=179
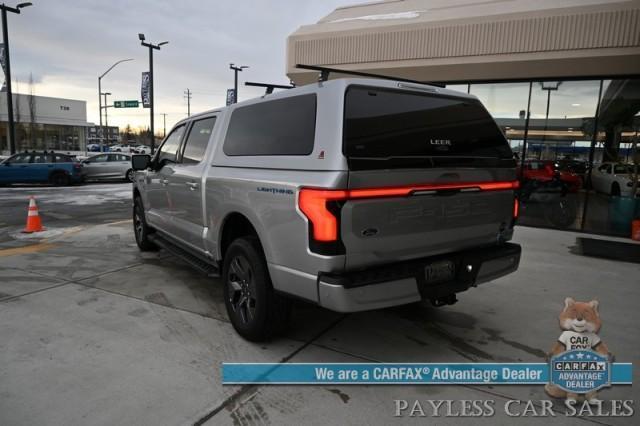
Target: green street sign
x=126, y=104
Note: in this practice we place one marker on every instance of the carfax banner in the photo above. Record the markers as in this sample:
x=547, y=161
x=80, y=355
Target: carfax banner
x=577, y=376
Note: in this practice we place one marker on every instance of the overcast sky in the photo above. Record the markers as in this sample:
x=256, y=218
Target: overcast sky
x=67, y=44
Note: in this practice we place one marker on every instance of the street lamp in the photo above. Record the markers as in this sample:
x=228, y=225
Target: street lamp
x=7, y=66
x=235, y=80
x=151, y=46
x=106, y=119
x=100, y=97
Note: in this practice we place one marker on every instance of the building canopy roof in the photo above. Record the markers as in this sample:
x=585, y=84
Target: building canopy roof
x=473, y=40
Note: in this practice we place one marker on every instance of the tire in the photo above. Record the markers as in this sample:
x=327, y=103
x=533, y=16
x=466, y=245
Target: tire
x=59, y=179
x=140, y=227
x=561, y=212
x=615, y=189
x=130, y=175
x=255, y=310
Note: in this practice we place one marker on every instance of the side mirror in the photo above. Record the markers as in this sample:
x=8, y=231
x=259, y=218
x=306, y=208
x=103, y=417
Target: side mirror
x=86, y=162
x=140, y=161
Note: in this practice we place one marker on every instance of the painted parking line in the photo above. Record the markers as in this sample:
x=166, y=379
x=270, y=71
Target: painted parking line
x=33, y=248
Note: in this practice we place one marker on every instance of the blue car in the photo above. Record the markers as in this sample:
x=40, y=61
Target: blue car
x=94, y=147
x=40, y=167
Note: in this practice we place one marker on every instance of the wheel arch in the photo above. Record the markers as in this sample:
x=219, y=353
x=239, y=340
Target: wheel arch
x=235, y=225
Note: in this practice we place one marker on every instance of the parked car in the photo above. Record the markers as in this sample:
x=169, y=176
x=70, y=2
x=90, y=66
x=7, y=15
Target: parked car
x=121, y=148
x=94, y=147
x=40, y=167
x=353, y=194
x=108, y=166
x=142, y=149
x=613, y=178
x=546, y=171
x=578, y=167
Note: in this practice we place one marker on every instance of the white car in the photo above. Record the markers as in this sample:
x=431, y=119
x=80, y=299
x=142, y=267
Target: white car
x=141, y=149
x=108, y=166
x=121, y=148
x=613, y=179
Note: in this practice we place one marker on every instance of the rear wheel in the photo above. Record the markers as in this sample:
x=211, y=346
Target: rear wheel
x=140, y=227
x=59, y=179
x=256, y=311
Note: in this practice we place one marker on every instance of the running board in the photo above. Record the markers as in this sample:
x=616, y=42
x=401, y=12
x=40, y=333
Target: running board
x=210, y=269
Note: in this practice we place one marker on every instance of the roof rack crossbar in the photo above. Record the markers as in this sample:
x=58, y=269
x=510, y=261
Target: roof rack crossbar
x=325, y=71
x=268, y=86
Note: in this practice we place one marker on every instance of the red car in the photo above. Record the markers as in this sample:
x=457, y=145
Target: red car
x=547, y=171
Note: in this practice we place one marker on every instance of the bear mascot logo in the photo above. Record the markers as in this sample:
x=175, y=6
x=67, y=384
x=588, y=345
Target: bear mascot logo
x=580, y=322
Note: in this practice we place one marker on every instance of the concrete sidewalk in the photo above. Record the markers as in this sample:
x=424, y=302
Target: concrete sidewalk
x=95, y=332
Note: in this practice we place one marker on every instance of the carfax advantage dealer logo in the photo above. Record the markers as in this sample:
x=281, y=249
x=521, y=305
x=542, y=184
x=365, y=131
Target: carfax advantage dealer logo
x=580, y=371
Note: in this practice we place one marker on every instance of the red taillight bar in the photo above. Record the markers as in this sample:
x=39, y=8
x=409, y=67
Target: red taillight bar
x=313, y=202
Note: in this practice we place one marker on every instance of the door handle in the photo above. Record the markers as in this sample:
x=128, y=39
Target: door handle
x=164, y=181
x=192, y=185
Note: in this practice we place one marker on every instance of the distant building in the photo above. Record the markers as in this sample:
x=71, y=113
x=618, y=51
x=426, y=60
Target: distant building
x=57, y=124
x=112, y=134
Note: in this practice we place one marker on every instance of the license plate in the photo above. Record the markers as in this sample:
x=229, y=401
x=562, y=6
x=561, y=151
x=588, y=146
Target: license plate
x=440, y=271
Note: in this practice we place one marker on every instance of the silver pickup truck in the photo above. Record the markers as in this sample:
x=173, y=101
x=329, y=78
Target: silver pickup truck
x=353, y=194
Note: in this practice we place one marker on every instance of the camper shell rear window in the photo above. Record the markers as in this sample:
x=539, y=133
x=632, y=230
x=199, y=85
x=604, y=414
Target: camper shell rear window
x=386, y=128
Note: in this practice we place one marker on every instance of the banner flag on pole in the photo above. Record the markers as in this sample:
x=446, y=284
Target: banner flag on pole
x=144, y=90
x=4, y=72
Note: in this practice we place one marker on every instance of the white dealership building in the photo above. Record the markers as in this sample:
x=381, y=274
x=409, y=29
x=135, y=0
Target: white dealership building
x=44, y=123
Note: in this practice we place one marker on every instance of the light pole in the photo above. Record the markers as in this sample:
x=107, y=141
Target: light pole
x=100, y=97
x=7, y=67
x=151, y=46
x=235, y=80
x=106, y=118
x=548, y=86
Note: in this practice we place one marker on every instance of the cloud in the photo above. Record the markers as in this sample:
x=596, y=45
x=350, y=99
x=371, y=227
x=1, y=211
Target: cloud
x=66, y=44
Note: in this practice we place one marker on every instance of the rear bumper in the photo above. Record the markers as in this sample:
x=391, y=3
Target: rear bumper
x=406, y=282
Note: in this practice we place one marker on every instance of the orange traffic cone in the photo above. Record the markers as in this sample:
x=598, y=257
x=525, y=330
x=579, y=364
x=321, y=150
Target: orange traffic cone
x=33, y=218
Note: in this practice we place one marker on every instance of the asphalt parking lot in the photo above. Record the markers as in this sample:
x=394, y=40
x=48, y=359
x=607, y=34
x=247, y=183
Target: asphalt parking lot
x=95, y=332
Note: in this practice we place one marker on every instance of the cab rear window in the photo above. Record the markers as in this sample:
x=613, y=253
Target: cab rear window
x=408, y=128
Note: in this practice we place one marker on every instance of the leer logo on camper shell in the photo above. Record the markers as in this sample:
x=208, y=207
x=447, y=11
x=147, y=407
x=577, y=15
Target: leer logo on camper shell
x=580, y=371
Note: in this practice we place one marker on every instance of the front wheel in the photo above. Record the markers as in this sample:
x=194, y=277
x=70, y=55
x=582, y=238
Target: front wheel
x=256, y=311
x=140, y=227
x=130, y=175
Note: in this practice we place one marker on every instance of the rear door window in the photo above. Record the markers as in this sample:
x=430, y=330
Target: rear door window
x=198, y=140
x=99, y=158
x=277, y=127
x=384, y=127
x=41, y=158
x=62, y=158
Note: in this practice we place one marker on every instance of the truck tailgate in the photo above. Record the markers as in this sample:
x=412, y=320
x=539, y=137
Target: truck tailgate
x=425, y=223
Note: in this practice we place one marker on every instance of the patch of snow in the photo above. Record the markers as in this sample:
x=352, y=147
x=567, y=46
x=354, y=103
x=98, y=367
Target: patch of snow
x=84, y=195
x=47, y=233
